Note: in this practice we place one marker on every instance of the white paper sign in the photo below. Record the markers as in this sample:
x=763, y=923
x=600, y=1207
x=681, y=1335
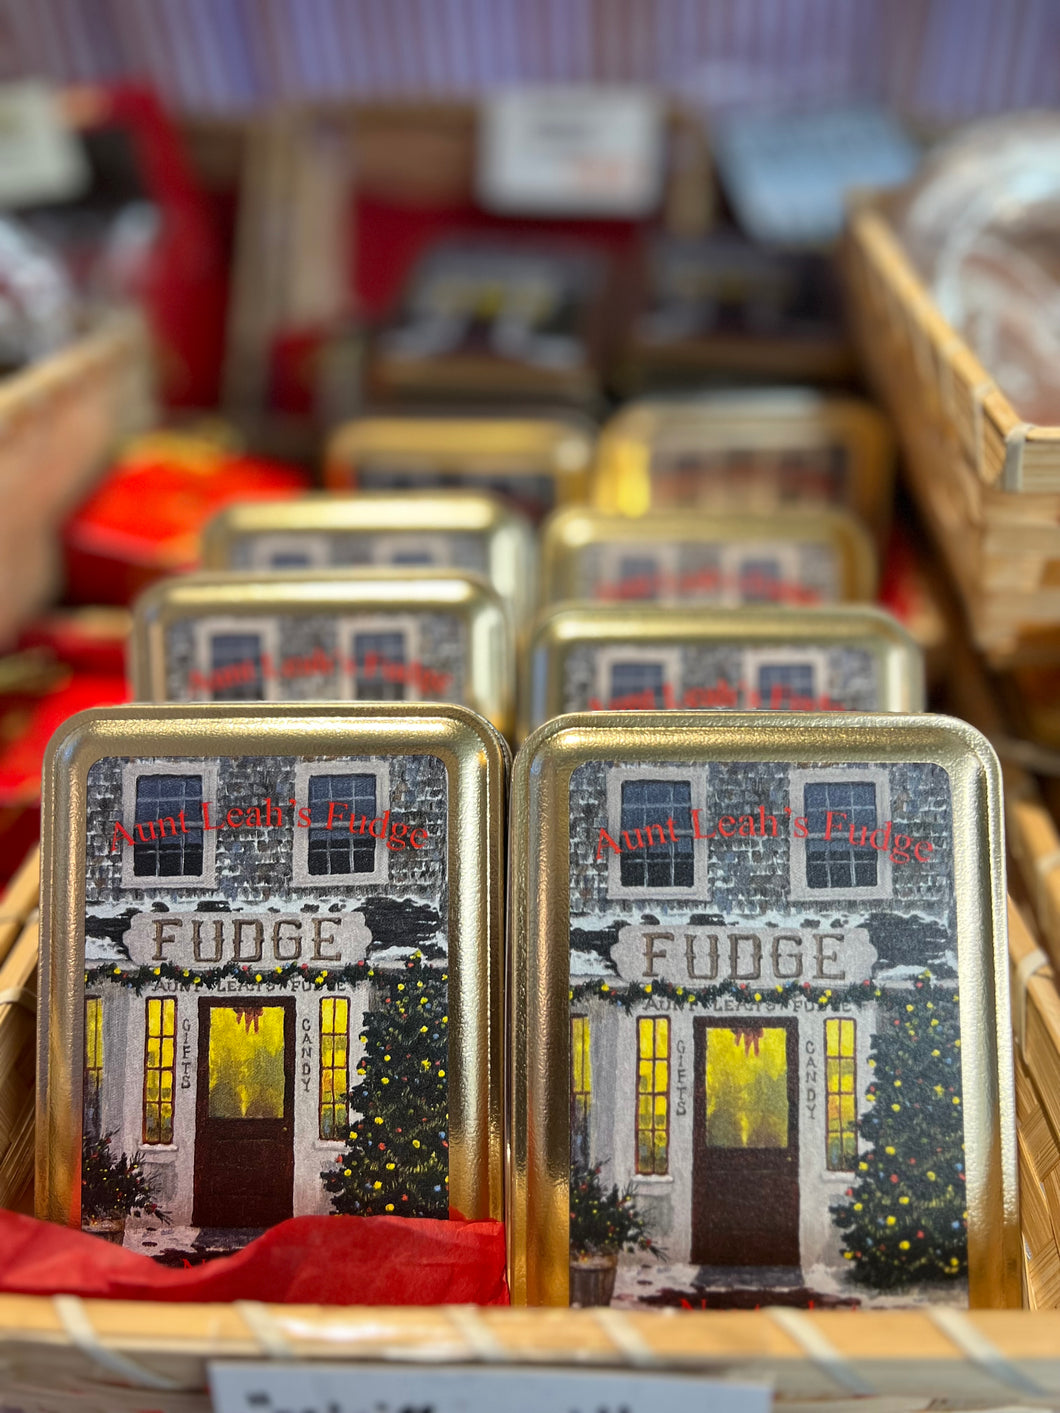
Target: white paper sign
x=571, y=151
x=40, y=158
x=367, y=1388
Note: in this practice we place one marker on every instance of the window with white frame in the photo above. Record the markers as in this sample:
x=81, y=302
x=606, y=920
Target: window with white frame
x=410, y=550
x=381, y=659
x=758, y=573
x=636, y=678
x=649, y=812
x=290, y=551
x=843, y=810
x=236, y=660
x=638, y=572
x=784, y=679
x=343, y=798
x=162, y=812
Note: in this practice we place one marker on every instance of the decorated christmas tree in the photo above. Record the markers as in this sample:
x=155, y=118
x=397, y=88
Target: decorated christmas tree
x=397, y=1154
x=904, y=1219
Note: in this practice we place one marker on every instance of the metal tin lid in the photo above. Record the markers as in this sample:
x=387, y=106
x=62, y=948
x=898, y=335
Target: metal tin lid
x=271, y=967
x=762, y=1033
x=797, y=558
x=617, y=656
x=379, y=634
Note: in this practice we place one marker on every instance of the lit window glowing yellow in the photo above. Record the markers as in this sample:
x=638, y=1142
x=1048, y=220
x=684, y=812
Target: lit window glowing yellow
x=581, y=1085
x=842, y=1134
x=747, y=1087
x=247, y=1062
x=93, y=1064
x=334, y=1065
x=159, y=1055
x=653, y=1094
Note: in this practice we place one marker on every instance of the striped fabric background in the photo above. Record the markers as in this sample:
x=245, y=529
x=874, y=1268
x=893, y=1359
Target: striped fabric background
x=936, y=59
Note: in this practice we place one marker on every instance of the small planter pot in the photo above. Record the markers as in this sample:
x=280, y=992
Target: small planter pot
x=592, y=1279
x=109, y=1228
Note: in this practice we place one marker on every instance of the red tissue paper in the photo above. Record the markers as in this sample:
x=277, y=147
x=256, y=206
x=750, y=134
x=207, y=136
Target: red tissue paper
x=303, y=1261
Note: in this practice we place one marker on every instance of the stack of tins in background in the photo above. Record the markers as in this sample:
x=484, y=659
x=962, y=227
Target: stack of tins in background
x=987, y=483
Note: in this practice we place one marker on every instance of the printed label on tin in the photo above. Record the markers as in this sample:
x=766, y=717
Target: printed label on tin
x=765, y=1089
x=777, y=677
x=734, y=573
x=385, y=549
x=266, y=996
x=393, y=657
x=752, y=479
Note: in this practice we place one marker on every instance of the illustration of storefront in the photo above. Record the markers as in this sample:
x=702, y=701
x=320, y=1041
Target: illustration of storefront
x=725, y=995
x=229, y=970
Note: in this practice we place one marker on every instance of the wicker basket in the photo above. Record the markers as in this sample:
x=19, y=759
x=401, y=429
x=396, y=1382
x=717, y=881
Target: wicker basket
x=987, y=483
x=60, y=420
x=123, y=1357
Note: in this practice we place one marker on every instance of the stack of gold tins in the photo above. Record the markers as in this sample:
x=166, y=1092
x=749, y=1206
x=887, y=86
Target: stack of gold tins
x=750, y=1004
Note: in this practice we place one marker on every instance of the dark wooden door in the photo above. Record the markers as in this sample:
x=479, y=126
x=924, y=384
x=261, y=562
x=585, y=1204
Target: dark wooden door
x=745, y=1148
x=244, y=1113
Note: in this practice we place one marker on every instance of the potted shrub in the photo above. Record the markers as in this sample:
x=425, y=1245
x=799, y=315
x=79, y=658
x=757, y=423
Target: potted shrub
x=601, y=1225
x=113, y=1189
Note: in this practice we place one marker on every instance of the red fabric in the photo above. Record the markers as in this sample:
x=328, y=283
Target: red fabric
x=21, y=758
x=145, y=519
x=304, y=1261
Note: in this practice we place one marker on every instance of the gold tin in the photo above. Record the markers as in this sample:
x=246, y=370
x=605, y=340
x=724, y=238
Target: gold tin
x=794, y=560
x=382, y=634
x=788, y=1055
x=233, y=1023
x=536, y=464
x=458, y=530
x=749, y=450
x=610, y=657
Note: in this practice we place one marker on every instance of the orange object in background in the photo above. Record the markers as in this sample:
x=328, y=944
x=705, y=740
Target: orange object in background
x=145, y=519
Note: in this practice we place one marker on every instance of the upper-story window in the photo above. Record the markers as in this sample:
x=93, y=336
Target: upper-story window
x=236, y=659
x=758, y=573
x=168, y=833
x=649, y=812
x=162, y=812
x=843, y=810
x=410, y=549
x=380, y=666
x=642, y=681
x=344, y=797
x=237, y=672
x=290, y=551
x=780, y=679
x=635, y=678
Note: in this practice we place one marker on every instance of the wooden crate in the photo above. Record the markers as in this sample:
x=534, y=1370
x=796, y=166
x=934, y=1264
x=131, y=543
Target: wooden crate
x=987, y=483
x=60, y=421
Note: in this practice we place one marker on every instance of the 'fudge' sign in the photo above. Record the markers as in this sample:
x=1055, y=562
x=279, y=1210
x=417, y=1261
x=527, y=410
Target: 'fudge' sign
x=769, y=956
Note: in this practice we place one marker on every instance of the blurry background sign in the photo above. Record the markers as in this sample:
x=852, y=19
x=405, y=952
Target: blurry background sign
x=576, y=151
x=40, y=157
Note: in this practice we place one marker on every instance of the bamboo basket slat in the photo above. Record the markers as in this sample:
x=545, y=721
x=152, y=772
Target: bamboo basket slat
x=19, y=901
x=18, y=977
x=1005, y=450
x=1006, y=568
x=60, y=419
x=892, y=1359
